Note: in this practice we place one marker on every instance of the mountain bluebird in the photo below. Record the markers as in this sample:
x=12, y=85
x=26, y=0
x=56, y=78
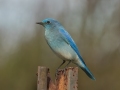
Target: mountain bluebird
x=63, y=45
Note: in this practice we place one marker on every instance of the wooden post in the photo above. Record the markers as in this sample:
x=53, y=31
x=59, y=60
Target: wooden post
x=66, y=79
x=42, y=78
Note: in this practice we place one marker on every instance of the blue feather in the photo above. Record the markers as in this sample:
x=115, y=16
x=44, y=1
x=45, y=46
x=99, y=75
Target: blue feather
x=70, y=41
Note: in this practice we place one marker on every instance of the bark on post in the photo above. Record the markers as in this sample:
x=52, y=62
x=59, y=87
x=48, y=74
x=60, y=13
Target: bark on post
x=42, y=78
x=66, y=79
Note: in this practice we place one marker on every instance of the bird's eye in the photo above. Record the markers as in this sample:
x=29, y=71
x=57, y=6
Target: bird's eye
x=48, y=22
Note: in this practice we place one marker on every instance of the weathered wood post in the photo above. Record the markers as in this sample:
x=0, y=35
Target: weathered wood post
x=42, y=78
x=66, y=79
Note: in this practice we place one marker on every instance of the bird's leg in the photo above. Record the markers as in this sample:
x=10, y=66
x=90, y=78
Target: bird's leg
x=68, y=63
x=66, y=66
x=60, y=66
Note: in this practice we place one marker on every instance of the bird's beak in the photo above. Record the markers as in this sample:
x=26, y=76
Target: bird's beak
x=41, y=23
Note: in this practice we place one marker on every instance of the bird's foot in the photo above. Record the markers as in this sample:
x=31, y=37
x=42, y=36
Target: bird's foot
x=65, y=71
x=56, y=73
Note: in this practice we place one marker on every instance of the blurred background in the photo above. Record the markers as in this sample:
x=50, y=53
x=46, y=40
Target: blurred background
x=93, y=24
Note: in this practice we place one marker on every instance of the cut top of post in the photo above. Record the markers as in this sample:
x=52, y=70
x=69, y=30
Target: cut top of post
x=67, y=79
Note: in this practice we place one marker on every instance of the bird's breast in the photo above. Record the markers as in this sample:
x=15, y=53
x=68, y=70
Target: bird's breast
x=51, y=36
x=60, y=47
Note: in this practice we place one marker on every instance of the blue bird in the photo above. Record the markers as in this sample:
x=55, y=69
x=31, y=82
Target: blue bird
x=63, y=45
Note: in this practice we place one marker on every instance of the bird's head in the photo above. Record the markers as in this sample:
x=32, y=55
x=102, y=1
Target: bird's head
x=49, y=23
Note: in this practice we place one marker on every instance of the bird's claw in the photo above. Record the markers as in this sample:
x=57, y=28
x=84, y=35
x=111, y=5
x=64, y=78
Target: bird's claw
x=56, y=73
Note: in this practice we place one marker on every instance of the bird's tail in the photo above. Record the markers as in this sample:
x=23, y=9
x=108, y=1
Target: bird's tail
x=87, y=71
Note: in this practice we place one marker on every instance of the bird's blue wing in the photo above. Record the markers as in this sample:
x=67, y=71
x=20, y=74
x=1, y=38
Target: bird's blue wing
x=70, y=41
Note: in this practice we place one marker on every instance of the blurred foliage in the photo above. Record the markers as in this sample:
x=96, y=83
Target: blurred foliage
x=94, y=25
